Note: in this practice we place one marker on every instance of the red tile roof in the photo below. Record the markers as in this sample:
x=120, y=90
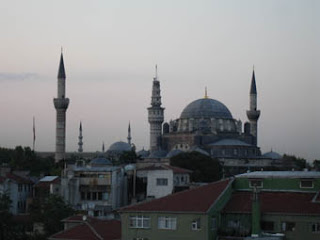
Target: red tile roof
x=18, y=179
x=275, y=202
x=165, y=167
x=198, y=199
x=97, y=230
x=178, y=169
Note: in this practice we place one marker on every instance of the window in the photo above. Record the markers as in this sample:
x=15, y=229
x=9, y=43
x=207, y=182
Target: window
x=267, y=226
x=213, y=223
x=83, y=196
x=139, y=222
x=167, y=223
x=99, y=195
x=306, y=184
x=288, y=226
x=20, y=187
x=255, y=183
x=140, y=238
x=195, y=224
x=162, y=181
x=316, y=227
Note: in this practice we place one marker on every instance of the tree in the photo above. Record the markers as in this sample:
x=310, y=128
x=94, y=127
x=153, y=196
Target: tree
x=316, y=165
x=296, y=162
x=205, y=168
x=50, y=212
x=128, y=157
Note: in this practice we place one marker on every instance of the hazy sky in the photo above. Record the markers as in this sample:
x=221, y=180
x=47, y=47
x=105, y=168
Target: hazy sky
x=111, y=47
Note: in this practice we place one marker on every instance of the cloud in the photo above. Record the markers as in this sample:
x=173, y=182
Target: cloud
x=4, y=76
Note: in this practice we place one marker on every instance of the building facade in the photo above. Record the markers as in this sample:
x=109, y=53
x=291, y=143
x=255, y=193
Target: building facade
x=97, y=188
x=257, y=205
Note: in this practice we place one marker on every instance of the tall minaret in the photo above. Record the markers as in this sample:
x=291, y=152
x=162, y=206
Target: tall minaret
x=61, y=104
x=155, y=115
x=129, y=134
x=80, y=143
x=253, y=114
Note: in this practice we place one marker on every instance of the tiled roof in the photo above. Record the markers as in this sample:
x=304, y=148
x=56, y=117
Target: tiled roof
x=199, y=199
x=280, y=174
x=274, y=202
x=165, y=167
x=18, y=179
x=96, y=230
x=178, y=169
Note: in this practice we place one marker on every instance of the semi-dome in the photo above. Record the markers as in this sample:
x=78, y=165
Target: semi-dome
x=206, y=108
x=272, y=155
x=120, y=147
x=100, y=161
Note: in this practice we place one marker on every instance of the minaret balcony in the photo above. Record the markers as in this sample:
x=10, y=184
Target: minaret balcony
x=61, y=103
x=253, y=115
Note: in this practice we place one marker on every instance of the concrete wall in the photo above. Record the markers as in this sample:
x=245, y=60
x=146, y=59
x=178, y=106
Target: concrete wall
x=158, y=190
x=183, y=229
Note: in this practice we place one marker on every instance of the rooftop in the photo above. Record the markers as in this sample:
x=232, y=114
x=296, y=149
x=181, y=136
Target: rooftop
x=165, y=167
x=197, y=200
x=275, y=202
x=95, y=230
x=280, y=174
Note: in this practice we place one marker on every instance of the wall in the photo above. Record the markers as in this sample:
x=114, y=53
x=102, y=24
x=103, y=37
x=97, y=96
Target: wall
x=183, y=230
x=159, y=191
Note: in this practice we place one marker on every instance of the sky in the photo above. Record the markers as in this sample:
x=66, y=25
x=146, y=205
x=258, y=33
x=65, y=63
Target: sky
x=110, y=50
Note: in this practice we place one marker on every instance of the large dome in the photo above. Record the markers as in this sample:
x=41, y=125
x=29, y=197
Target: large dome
x=120, y=147
x=206, y=108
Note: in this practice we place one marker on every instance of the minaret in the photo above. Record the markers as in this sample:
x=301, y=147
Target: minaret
x=80, y=143
x=129, y=134
x=253, y=114
x=61, y=104
x=155, y=115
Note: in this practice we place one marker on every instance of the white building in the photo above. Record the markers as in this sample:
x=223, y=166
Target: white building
x=163, y=180
x=97, y=188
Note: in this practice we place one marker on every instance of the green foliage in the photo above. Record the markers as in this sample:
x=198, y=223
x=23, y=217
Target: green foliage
x=205, y=168
x=128, y=157
x=316, y=164
x=8, y=229
x=299, y=163
x=23, y=158
x=50, y=212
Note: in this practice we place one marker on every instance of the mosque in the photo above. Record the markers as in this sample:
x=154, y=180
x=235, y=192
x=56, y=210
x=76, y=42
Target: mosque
x=205, y=125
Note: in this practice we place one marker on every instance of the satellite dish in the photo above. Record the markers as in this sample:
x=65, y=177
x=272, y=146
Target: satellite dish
x=84, y=218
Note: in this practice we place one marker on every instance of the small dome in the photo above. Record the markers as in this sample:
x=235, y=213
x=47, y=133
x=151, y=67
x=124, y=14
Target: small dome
x=158, y=154
x=206, y=108
x=100, y=161
x=143, y=153
x=120, y=147
x=272, y=155
x=173, y=153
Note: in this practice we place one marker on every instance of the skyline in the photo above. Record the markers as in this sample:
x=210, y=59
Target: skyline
x=110, y=50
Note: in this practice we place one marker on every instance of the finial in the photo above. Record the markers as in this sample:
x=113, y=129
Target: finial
x=253, y=67
x=103, y=147
x=156, y=72
x=205, y=93
x=61, y=49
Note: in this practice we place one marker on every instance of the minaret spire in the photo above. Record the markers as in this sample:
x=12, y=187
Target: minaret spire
x=253, y=114
x=205, y=93
x=129, y=134
x=155, y=114
x=80, y=143
x=61, y=104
